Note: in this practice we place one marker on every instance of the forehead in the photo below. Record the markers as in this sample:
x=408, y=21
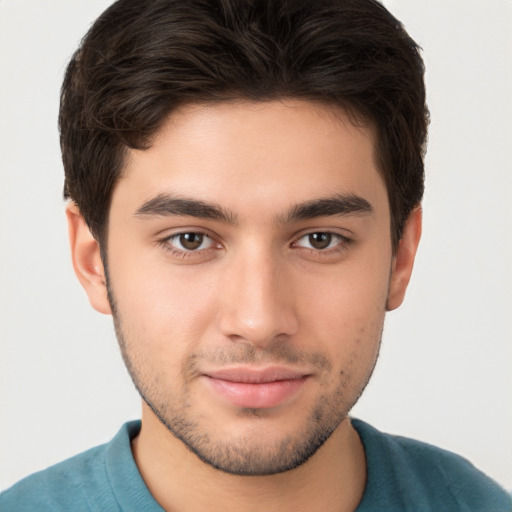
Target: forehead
x=260, y=155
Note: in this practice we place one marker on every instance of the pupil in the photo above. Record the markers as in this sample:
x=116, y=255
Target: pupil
x=191, y=241
x=320, y=240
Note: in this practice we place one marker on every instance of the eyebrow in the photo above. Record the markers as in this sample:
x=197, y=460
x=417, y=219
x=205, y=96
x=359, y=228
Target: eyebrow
x=169, y=205
x=339, y=204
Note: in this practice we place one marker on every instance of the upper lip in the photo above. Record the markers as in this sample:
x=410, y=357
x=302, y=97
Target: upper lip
x=253, y=375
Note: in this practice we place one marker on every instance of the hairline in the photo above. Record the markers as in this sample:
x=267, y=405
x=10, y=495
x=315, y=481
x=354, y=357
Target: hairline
x=341, y=113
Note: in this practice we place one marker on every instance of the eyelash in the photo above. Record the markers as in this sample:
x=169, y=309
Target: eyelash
x=183, y=254
x=344, y=243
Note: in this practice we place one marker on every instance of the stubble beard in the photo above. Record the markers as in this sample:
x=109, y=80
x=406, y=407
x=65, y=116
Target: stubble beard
x=249, y=455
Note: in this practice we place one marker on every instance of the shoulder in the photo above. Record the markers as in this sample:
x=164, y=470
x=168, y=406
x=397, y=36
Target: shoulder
x=59, y=487
x=80, y=483
x=430, y=477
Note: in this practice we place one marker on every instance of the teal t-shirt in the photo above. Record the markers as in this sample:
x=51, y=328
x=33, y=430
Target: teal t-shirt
x=403, y=475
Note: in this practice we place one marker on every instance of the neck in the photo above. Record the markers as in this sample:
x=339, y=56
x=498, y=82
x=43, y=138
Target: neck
x=333, y=479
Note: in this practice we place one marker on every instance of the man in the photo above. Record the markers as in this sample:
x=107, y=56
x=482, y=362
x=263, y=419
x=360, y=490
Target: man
x=245, y=182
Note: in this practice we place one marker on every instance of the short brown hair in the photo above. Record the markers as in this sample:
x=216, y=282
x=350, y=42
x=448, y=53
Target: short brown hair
x=143, y=58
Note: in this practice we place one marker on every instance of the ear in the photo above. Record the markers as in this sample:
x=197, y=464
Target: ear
x=86, y=257
x=403, y=260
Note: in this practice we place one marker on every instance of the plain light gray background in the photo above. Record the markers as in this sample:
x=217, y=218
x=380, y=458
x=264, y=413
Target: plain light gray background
x=445, y=369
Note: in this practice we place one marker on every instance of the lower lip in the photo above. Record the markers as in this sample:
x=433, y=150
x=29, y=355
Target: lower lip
x=257, y=395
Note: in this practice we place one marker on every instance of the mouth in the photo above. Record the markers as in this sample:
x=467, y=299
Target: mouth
x=256, y=388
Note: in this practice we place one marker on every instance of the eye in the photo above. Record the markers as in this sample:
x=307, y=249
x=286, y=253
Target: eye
x=191, y=241
x=320, y=241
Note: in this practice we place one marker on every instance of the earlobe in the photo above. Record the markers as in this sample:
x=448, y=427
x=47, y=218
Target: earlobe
x=403, y=260
x=86, y=258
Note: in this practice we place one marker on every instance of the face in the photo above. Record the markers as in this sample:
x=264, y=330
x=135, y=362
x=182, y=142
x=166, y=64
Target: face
x=250, y=265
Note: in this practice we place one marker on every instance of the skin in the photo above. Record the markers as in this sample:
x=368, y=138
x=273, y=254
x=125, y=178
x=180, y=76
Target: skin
x=258, y=292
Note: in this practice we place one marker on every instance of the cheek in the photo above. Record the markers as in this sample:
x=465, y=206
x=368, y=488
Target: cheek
x=162, y=305
x=346, y=314
x=347, y=301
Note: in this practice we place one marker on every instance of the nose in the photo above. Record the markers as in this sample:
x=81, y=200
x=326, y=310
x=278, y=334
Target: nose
x=257, y=302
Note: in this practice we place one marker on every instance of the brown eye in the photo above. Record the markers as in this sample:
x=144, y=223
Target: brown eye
x=196, y=245
x=191, y=241
x=320, y=240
